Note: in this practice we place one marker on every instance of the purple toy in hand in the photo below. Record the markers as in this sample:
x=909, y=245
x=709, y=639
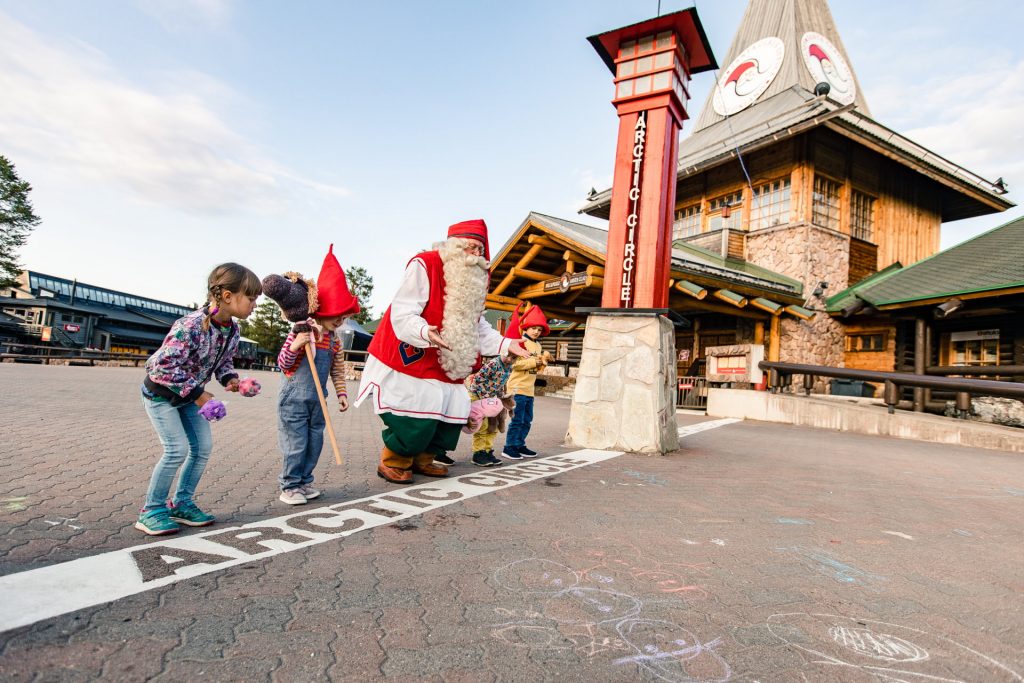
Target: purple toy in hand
x=249, y=387
x=213, y=410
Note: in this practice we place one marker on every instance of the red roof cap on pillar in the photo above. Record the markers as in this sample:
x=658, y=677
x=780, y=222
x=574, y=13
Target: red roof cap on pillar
x=686, y=25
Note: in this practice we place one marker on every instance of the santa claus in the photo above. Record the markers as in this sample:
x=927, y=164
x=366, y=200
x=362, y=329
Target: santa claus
x=427, y=343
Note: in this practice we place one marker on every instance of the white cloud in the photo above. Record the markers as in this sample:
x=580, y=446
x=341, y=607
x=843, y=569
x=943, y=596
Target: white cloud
x=972, y=119
x=183, y=14
x=66, y=107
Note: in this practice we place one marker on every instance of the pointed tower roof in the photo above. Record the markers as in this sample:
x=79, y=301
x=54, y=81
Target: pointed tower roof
x=766, y=93
x=781, y=44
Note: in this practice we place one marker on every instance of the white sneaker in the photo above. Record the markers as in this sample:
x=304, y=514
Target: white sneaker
x=308, y=491
x=292, y=497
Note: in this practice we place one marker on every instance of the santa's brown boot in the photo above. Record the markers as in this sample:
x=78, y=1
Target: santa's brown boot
x=394, y=467
x=424, y=464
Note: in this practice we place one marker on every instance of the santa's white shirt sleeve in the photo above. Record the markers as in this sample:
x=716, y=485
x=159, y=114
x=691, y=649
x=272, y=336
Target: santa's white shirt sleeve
x=395, y=392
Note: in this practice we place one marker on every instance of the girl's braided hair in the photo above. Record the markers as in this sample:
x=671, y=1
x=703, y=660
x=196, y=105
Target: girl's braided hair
x=229, y=277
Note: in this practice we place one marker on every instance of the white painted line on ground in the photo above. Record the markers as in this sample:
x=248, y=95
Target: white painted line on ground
x=37, y=594
x=704, y=426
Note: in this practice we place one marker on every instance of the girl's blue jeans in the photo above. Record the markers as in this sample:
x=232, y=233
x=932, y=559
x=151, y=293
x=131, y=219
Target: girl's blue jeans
x=186, y=438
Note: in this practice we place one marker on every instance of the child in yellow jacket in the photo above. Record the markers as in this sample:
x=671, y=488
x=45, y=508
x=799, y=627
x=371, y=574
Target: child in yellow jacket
x=530, y=325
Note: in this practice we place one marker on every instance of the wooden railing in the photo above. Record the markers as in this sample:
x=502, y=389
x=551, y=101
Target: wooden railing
x=32, y=353
x=781, y=375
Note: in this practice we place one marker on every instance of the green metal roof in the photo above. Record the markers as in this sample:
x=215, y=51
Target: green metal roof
x=846, y=297
x=989, y=262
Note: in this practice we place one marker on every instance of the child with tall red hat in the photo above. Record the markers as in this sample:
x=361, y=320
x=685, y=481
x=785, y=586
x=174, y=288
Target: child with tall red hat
x=528, y=324
x=427, y=343
x=300, y=420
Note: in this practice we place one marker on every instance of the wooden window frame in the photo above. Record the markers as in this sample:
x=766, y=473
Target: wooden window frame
x=851, y=347
x=834, y=213
x=856, y=231
x=734, y=221
x=681, y=229
x=779, y=211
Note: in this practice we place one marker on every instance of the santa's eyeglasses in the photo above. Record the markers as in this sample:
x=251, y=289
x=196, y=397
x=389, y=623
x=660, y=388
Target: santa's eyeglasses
x=475, y=248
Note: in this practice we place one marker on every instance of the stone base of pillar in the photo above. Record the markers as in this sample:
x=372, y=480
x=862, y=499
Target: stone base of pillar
x=626, y=386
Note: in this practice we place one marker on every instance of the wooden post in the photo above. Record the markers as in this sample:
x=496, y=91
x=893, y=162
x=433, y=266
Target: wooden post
x=927, y=360
x=759, y=332
x=323, y=402
x=919, y=362
x=774, y=338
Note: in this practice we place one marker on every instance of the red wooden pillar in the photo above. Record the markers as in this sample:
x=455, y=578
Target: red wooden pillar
x=652, y=62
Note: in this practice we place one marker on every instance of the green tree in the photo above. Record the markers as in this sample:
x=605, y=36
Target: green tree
x=16, y=220
x=266, y=326
x=360, y=283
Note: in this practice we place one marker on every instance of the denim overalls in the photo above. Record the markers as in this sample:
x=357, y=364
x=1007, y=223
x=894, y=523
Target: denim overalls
x=300, y=421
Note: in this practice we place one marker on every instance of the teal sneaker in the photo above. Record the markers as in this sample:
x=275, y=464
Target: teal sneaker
x=156, y=523
x=188, y=513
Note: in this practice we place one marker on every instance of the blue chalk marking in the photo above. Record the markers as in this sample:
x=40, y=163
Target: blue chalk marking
x=793, y=520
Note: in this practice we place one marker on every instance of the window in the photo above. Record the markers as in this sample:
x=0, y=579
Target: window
x=770, y=205
x=726, y=212
x=976, y=352
x=862, y=216
x=687, y=222
x=826, y=203
x=867, y=341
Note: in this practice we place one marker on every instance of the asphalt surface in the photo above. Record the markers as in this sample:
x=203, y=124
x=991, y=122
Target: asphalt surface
x=757, y=552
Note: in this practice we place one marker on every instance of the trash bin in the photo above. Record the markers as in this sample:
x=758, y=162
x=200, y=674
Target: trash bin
x=851, y=387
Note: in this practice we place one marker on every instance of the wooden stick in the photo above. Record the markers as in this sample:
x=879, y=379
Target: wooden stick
x=323, y=401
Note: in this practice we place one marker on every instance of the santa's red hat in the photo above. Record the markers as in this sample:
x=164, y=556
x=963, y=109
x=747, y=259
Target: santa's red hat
x=475, y=229
x=527, y=315
x=332, y=290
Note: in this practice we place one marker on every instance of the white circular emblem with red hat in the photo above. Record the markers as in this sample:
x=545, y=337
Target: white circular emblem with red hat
x=749, y=75
x=826, y=64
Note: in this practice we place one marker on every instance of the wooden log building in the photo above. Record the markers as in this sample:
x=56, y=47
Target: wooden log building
x=787, y=192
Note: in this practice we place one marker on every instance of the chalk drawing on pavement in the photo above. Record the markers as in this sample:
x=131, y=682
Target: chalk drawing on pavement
x=886, y=651
x=579, y=611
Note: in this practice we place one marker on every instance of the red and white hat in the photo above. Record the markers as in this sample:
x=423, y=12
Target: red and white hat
x=332, y=290
x=527, y=315
x=475, y=229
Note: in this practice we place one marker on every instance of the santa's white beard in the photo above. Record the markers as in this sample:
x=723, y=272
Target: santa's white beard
x=465, y=288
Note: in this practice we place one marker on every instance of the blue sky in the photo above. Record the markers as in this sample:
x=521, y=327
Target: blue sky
x=165, y=136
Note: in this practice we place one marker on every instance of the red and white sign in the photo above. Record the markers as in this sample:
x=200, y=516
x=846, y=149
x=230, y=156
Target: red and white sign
x=72, y=328
x=826, y=64
x=633, y=219
x=749, y=75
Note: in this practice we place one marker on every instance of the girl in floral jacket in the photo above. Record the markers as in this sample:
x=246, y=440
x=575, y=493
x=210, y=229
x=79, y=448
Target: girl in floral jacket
x=199, y=347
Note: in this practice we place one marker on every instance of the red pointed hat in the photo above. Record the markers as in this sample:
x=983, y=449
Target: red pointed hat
x=475, y=229
x=332, y=290
x=527, y=315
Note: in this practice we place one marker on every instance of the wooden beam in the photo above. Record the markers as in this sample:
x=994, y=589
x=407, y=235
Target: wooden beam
x=690, y=289
x=575, y=257
x=544, y=241
x=799, y=312
x=774, y=338
x=499, y=299
x=707, y=306
x=569, y=329
x=532, y=274
x=733, y=298
x=530, y=254
x=595, y=270
x=766, y=305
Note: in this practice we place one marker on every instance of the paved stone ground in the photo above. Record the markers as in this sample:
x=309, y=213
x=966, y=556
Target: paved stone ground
x=755, y=553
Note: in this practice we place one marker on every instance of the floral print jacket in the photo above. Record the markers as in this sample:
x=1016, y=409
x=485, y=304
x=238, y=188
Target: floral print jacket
x=189, y=357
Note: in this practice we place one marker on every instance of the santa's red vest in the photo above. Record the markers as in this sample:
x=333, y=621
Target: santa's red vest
x=396, y=354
